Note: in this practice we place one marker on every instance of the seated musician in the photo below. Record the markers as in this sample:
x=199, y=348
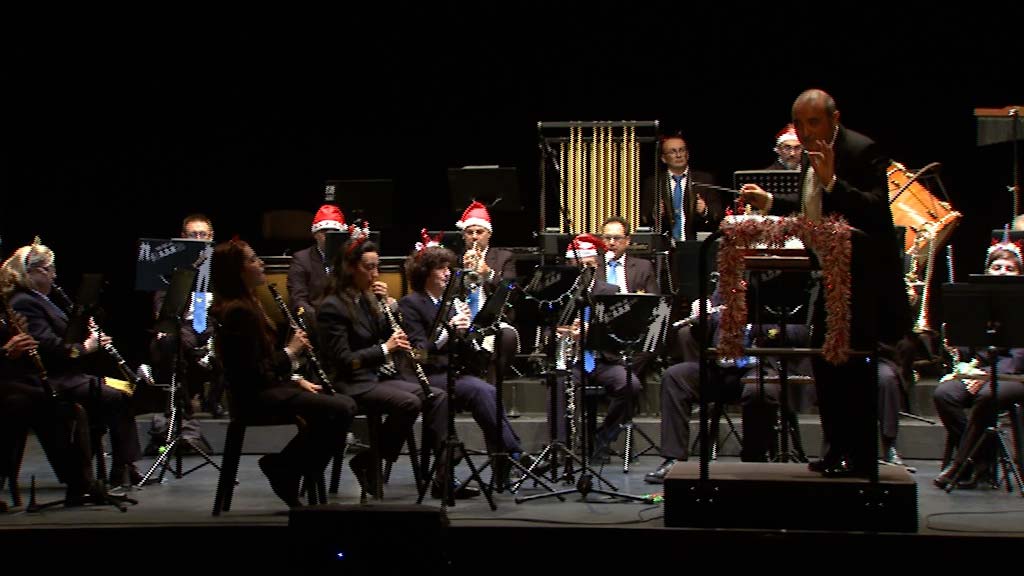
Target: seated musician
x=259, y=362
x=428, y=270
x=492, y=265
x=361, y=350
x=25, y=404
x=29, y=280
x=787, y=150
x=679, y=393
x=956, y=395
x=309, y=269
x=603, y=368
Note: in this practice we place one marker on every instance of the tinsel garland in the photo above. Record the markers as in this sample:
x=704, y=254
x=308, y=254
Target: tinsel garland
x=828, y=238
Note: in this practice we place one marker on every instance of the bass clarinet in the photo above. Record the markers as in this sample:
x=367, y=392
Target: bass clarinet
x=421, y=376
x=297, y=323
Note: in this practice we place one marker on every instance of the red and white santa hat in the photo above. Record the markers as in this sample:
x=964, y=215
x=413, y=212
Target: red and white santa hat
x=584, y=245
x=788, y=134
x=475, y=215
x=1013, y=247
x=328, y=217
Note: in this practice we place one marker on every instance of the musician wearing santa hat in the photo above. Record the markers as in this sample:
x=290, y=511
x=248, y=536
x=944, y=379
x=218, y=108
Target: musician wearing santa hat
x=787, y=149
x=603, y=369
x=491, y=265
x=307, y=275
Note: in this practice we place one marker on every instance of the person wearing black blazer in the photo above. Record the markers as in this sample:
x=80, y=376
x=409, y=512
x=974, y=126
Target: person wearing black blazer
x=702, y=207
x=30, y=275
x=492, y=265
x=639, y=276
x=308, y=271
x=843, y=174
x=428, y=271
x=259, y=367
x=365, y=356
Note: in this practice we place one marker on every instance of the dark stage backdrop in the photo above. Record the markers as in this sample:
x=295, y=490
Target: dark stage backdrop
x=115, y=132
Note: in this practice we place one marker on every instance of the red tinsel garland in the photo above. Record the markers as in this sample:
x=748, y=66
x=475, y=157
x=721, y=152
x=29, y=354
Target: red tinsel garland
x=828, y=238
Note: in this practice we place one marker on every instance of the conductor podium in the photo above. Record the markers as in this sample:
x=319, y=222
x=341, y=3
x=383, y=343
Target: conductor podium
x=762, y=495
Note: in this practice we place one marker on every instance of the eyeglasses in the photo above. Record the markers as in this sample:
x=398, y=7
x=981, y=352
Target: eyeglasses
x=674, y=151
x=199, y=235
x=49, y=268
x=613, y=237
x=787, y=148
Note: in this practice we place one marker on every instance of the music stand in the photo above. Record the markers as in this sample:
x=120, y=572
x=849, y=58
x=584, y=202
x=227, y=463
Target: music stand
x=494, y=186
x=998, y=125
x=628, y=324
x=777, y=297
x=158, y=258
x=172, y=313
x=335, y=239
x=987, y=313
x=772, y=181
x=370, y=199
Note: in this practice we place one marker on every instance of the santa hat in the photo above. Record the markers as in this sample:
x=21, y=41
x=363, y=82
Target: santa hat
x=1006, y=244
x=328, y=217
x=428, y=242
x=788, y=134
x=475, y=215
x=584, y=245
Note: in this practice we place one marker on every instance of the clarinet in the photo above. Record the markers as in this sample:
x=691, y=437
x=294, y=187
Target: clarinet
x=33, y=354
x=421, y=376
x=133, y=378
x=297, y=323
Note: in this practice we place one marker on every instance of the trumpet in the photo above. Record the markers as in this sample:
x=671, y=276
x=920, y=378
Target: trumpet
x=297, y=323
x=421, y=376
x=472, y=274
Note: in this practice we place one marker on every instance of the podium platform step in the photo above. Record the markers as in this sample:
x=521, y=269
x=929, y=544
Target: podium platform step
x=788, y=496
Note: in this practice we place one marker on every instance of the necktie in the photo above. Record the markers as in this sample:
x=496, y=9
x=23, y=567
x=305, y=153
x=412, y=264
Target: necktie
x=473, y=299
x=677, y=205
x=199, y=312
x=588, y=356
x=612, y=272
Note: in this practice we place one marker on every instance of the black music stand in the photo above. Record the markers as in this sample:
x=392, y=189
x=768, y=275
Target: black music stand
x=494, y=186
x=158, y=258
x=555, y=290
x=335, y=239
x=628, y=324
x=452, y=443
x=987, y=314
x=370, y=199
x=772, y=181
x=778, y=298
x=172, y=314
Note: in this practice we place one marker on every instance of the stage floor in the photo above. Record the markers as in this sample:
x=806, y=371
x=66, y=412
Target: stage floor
x=188, y=501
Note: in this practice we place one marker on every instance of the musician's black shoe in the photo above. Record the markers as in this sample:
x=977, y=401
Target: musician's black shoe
x=362, y=467
x=283, y=481
x=117, y=476
x=459, y=492
x=539, y=467
x=658, y=476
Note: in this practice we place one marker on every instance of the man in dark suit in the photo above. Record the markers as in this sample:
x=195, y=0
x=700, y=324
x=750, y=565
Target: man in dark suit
x=307, y=274
x=492, y=265
x=843, y=173
x=684, y=205
x=632, y=274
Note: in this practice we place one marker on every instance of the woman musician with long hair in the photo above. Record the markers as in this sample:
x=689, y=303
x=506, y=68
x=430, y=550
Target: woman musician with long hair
x=28, y=277
x=358, y=344
x=258, y=364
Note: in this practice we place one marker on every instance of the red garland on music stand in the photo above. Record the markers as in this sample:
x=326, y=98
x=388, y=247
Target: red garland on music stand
x=829, y=239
